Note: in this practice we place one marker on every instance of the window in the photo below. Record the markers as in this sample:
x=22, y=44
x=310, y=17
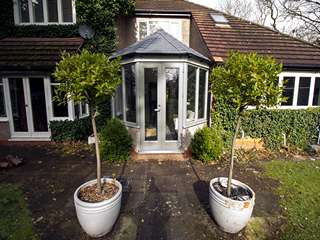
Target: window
x=301, y=89
x=118, y=103
x=3, y=113
x=58, y=110
x=81, y=110
x=44, y=11
x=147, y=26
x=130, y=92
x=196, y=93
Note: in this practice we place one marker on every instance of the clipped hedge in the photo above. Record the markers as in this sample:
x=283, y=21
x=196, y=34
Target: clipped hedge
x=67, y=130
x=300, y=126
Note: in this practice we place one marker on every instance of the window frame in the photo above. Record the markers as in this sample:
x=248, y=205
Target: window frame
x=196, y=120
x=60, y=21
x=173, y=20
x=297, y=76
x=4, y=85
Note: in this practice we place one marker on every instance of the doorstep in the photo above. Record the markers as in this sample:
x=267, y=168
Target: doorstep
x=160, y=156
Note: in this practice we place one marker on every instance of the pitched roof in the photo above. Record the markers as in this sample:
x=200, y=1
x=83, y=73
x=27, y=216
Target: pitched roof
x=34, y=53
x=242, y=35
x=160, y=43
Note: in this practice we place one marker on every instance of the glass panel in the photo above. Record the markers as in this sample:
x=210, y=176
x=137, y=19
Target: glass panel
x=38, y=102
x=130, y=84
x=2, y=103
x=59, y=110
x=24, y=11
x=18, y=106
x=288, y=90
x=84, y=111
x=52, y=11
x=67, y=10
x=37, y=10
x=316, y=94
x=172, y=104
x=142, y=30
x=202, y=93
x=191, y=93
x=118, y=103
x=151, y=103
x=304, y=89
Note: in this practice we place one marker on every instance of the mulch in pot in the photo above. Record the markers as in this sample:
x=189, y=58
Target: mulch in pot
x=91, y=194
x=238, y=193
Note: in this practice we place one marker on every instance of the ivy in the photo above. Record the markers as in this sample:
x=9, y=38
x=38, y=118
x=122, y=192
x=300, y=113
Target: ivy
x=299, y=126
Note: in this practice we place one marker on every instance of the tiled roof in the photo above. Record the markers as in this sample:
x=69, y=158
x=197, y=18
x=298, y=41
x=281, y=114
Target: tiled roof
x=34, y=53
x=241, y=35
x=160, y=43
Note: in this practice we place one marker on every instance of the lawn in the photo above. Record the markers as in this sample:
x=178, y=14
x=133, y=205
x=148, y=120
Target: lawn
x=15, y=218
x=299, y=193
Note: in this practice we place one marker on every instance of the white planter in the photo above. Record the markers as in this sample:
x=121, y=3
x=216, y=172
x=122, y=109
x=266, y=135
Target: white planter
x=230, y=215
x=97, y=219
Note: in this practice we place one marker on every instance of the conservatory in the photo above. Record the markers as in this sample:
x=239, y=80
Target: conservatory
x=163, y=98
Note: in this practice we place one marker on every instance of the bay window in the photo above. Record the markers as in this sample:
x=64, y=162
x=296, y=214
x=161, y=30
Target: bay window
x=44, y=11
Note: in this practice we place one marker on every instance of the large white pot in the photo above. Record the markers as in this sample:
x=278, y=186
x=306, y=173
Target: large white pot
x=97, y=219
x=230, y=215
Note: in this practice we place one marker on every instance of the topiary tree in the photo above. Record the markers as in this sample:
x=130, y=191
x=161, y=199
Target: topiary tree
x=246, y=80
x=90, y=78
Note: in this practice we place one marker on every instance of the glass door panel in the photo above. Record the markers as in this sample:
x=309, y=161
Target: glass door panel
x=18, y=105
x=172, y=106
x=151, y=103
x=38, y=103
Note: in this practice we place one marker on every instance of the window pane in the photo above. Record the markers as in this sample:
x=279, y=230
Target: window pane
x=202, y=93
x=191, y=93
x=52, y=11
x=288, y=90
x=316, y=94
x=118, y=103
x=130, y=84
x=58, y=110
x=24, y=11
x=67, y=10
x=304, y=89
x=142, y=30
x=172, y=105
x=151, y=103
x=2, y=103
x=37, y=10
x=84, y=109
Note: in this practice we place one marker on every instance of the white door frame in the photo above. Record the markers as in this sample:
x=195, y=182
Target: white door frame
x=161, y=144
x=30, y=134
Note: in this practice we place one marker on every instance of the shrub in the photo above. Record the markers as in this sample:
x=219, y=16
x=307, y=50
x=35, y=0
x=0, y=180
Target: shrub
x=115, y=141
x=207, y=144
x=67, y=130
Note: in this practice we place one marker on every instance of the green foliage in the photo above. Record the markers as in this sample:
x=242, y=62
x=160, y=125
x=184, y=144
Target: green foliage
x=247, y=79
x=86, y=77
x=77, y=130
x=300, y=196
x=300, y=126
x=116, y=143
x=15, y=221
x=207, y=145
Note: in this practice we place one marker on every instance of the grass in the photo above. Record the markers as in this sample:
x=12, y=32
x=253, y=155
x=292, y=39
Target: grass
x=15, y=220
x=299, y=193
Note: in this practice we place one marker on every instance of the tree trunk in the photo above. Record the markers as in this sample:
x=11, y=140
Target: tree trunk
x=95, y=134
x=232, y=153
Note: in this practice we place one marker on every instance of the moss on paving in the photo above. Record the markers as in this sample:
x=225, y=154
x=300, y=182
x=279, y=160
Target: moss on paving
x=299, y=192
x=15, y=220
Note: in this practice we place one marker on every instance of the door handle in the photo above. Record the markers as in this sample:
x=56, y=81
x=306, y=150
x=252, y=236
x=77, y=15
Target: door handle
x=157, y=109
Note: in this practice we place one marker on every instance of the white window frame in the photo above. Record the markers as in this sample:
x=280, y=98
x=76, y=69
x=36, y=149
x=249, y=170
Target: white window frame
x=196, y=120
x=4, y=85
x=148, y=20
x=297, y=76
x=45, y=14
x=86, y=114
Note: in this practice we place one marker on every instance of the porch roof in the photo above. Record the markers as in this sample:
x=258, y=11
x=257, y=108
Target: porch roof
x=23, y=54
x=159, y=43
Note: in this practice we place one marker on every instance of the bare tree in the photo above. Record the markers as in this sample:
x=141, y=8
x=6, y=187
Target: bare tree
x=269, y=10
x=307, y=12
x=239, y=8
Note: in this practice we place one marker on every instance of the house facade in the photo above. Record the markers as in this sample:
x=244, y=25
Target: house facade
x=167, y=48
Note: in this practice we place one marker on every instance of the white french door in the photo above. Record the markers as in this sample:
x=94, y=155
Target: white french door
x=28, y=104
x=161, y=106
